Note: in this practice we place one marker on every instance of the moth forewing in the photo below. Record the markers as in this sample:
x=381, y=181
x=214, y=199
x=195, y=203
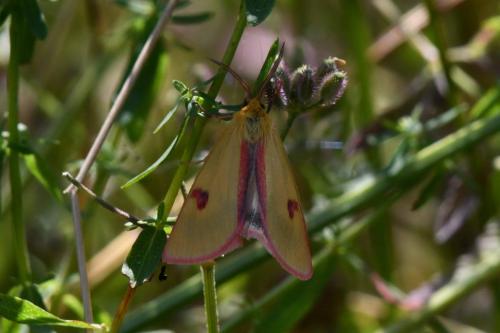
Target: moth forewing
x=284, y=222
x=207, y=225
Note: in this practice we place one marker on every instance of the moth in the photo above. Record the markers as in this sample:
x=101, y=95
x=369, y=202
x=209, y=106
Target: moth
x=244, y=190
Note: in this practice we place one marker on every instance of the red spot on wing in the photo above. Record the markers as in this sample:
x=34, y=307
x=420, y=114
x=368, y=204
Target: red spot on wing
x=292, y=206
x=201, y=197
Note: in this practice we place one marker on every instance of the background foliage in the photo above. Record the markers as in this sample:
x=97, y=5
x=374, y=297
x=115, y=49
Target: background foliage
x=400, y=178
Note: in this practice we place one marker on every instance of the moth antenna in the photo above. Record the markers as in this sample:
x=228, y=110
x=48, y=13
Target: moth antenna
x=238, y=78
x=272, y=71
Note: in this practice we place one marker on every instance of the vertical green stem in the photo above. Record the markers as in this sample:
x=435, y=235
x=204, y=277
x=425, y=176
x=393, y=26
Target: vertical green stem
x=356, y=22
x=289, y=122
x=14, y=168
x=199, y=124
x=359, y=40
x=210, y=297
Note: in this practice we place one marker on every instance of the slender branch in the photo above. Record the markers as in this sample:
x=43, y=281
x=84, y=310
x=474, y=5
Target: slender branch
x=80, y=256
x=122, y=309
x=14, y=168
x=210, y=297
x=101, y=201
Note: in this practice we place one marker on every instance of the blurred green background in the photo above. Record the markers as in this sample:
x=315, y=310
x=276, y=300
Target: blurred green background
x=419, y=73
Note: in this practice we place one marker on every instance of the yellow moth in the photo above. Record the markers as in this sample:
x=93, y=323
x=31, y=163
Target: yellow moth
x=244, y=190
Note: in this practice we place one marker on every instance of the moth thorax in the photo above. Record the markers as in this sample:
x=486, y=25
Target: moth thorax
x=253, y=129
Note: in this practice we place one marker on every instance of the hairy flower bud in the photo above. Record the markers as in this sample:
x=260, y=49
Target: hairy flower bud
x=329, y=65
x=303, y=85
x=278, y=89
x=308, y=88
x=332, y=87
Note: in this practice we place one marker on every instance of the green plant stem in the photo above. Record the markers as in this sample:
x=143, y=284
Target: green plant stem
x=359, y=41
x=485, y=269
x=122, y=309
x=14, y=167
x=366, y=193
x=289, y=122
x=199, y=124
x=210, y=297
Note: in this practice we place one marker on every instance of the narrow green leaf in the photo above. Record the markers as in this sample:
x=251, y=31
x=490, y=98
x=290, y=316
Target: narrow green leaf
x=163, y=157
x=145, y=256
x=268, y=64
x=258, y=10
x=153, y=166
x=192, y=18
x=34, y=18
x=445, y=118
x=167, y=117
x=25, y=312
x=43, y=174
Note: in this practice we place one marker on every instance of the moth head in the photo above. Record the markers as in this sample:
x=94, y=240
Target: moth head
x=254, y=105
x=253, y=109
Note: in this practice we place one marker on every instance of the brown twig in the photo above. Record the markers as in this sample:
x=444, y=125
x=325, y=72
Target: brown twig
x=101, y=201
